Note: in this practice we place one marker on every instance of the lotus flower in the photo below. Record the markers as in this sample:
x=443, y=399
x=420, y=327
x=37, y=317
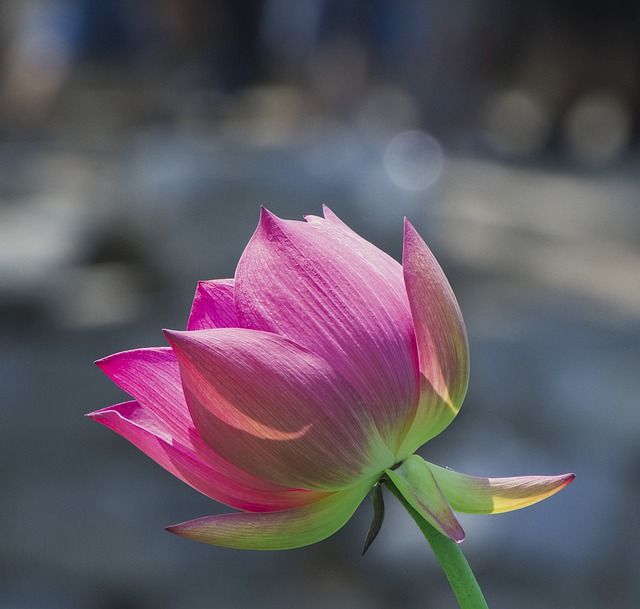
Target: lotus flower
x=302, y=383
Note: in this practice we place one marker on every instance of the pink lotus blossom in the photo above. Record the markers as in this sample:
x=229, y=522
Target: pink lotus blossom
x=303, y=382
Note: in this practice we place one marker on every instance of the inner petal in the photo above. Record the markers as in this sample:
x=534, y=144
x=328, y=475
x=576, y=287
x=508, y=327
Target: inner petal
x=324, y=287
x=276, y=410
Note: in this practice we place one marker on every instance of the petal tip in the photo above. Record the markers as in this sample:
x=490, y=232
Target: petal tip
x=408, y=227
x=331, y=217
x=267, y=217
x=177, y=340
x=173, y=336
x=269, y=225
x=179, y=529
x=411, y=239
x=327, y=212
x=455, y=532
x=100, y=416
x=103, y=362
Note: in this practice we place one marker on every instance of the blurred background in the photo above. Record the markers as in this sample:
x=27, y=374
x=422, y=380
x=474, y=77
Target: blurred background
x=137, y=141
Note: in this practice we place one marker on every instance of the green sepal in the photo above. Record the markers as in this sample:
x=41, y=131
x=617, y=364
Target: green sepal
x=378, y=517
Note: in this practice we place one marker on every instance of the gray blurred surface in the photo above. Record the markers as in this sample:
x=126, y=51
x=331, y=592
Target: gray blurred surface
x=106, y=223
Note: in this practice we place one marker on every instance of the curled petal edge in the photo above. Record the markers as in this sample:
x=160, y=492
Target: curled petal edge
x=282, y=530
x=474, y=495
x=417, y=484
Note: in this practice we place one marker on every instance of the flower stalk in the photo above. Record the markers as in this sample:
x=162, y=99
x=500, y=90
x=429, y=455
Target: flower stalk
x=455, y=566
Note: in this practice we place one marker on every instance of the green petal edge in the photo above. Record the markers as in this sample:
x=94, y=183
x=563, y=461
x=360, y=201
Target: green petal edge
x=414, y=479
x=473, y=495
x=280, y=530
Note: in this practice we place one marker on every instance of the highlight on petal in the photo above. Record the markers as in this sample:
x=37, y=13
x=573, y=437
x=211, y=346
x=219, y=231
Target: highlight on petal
x=197, y=466
x=160, y=421
x=213, y=306
x=474, y=495
x=433, y=413
x=441, y=338
x=330, y=291
x=281, y=530
x=276, y=410
x=414, y=479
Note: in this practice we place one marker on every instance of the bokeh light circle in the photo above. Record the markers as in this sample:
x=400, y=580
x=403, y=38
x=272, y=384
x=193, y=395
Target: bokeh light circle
x=414, y=160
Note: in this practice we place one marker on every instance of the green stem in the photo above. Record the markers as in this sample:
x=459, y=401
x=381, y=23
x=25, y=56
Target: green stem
x=455, y=565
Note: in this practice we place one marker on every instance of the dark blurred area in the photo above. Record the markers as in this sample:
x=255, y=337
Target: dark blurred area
x=137, y=141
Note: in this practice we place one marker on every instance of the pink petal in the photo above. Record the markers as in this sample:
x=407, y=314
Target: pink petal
x=152, y=376
x=277, y=530
x=324, y=287
x=133, y=422
x=276, y=410
x=213, y=306
x=442, y=341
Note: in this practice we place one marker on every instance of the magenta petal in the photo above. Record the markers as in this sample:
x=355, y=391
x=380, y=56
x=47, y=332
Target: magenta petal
x=152, y=377
x=441, y=336
x=133, y=422
x=276, y=410
x=330, y=291
x=213, y=306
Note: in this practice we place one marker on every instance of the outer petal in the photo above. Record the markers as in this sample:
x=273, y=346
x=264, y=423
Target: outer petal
x=143, y=430
x=213, y=306
x=442, y=341
x=494, y=495
x=152, y=376
x=414, y=480
x=276, y=410
x=332, y=292
x=277, y=530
